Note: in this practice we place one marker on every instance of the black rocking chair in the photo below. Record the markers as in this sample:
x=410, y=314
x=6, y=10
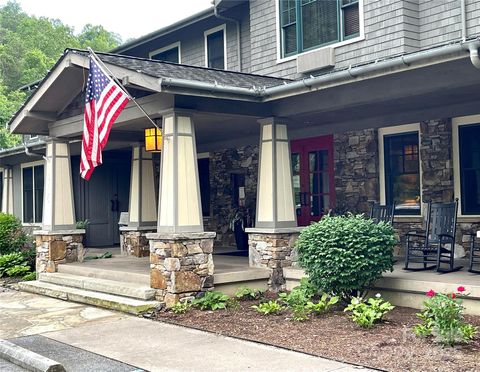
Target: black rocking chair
x=431, y=246
x=382, y=213
x=474, y=266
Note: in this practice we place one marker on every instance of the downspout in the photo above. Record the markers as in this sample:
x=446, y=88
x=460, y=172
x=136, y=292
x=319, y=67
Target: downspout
x=33, y=154
x=237, y=23
x=471, y=48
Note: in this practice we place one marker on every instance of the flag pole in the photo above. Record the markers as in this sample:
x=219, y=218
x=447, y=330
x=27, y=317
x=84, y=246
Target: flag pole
x=121, y=86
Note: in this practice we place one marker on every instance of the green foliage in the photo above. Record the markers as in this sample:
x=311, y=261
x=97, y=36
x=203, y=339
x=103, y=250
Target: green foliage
x=323, y=304
x=443, y=319
x=12, y=236
x=30, y=276
x=299, y=295
x=245, y=293
x=13, y=264
x=367, y=313
x=181, y=307
x=344, y=255
x=271, y=307
x=300, y=312
x=29, y=47
x=212, y=300
x=82, y=224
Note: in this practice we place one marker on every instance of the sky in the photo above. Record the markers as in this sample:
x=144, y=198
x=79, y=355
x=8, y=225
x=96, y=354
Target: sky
x=129, y=19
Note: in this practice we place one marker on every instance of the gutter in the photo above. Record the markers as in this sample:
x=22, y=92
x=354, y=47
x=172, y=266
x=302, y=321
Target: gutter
x=313, y=83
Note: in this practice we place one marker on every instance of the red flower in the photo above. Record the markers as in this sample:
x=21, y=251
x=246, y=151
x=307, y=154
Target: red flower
x=461, y=289
x=431, y=293
x=454, y=295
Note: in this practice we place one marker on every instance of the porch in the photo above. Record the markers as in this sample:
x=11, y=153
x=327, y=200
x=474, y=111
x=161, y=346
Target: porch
x=408, y=288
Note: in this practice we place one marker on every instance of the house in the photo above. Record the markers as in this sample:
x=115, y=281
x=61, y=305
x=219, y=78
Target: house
x=285, y=108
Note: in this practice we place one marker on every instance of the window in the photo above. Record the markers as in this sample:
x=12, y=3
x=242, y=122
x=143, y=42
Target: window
x=402, y=172
x=32, y=182
x=170, y=53
x=215, y=48
x=309, y=24
x=469, y=146
x=204, y=180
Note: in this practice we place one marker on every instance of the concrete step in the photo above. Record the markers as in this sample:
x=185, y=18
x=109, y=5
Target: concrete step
x=105, y=273
x=108, y=301
x=126, y=289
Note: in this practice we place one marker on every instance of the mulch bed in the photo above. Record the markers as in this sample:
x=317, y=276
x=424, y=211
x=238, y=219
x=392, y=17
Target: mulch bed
x=389, y=345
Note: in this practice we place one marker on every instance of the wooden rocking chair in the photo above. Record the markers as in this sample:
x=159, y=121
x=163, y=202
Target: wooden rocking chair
x=382, y=213
x=435, y=246
x=474, y=264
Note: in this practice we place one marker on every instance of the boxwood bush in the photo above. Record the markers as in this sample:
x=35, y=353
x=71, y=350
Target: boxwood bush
x=12, y=236
x=344, y=255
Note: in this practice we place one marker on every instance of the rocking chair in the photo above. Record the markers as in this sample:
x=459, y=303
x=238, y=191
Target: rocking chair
x=474, y=265
x=435, y=246
x=382, y=213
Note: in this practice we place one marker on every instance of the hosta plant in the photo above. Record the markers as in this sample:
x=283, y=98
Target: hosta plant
x=367, y=313
x=181, y=307
x=443, y=319
x=245, y=293
x=271, y=307
x=323, y=304
x=212, y=300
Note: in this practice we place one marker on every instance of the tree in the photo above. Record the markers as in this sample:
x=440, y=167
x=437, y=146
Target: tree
x=10, y=102
x=97, y=38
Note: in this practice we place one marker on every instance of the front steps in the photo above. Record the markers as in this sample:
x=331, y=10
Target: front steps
x=127, y=295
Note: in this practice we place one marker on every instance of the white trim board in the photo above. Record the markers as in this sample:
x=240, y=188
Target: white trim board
x=398, y=129
x=205, y=43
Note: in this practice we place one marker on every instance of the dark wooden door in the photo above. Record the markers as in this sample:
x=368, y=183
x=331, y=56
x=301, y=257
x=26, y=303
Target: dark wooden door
x=103, y=197
x=313, y=181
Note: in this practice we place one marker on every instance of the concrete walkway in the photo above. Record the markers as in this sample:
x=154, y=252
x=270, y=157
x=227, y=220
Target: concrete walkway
x=146, y=344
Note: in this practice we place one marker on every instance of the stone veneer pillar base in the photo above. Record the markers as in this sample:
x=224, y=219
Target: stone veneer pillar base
x=273, y=249
x=134, y=242
x=56, y=247
x=181, y=264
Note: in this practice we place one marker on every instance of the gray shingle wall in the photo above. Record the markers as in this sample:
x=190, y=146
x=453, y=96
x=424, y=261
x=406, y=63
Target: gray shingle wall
x=392, y=27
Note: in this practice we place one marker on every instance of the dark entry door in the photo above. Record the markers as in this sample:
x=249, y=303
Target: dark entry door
x=103, y=198
x=313, y=182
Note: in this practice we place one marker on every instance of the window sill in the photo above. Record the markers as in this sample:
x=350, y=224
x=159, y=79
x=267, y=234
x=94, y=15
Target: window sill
x=31, y=224
x=336, y=45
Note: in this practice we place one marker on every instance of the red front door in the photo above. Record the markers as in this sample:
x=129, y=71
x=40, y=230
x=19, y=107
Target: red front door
x=313, y=183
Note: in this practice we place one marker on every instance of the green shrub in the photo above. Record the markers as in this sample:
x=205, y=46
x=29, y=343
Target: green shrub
x=271, y=307
x=213, y=300
x=17, y=270
x=443, y=319
x=12, y=236
x=344, y=255
x=8, y=261
x=245, y=293
x=29, y=276
x=299, y=295
x=367, y=313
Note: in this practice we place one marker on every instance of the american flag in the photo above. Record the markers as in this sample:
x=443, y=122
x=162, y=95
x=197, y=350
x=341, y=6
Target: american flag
x=104, y=101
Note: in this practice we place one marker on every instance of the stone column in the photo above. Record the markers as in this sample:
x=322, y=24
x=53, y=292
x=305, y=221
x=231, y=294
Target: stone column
x=7, y=193
x=143, y=206
x=58, y=241
x=181, y=260
x=271, y=241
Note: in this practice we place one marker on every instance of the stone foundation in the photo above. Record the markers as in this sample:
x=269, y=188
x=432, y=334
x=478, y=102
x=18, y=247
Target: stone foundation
x=273, y=251
x=134, y=242
x=54, y=248
x=181, y=265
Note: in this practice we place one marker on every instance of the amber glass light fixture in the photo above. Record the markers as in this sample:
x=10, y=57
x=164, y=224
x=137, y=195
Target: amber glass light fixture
x=153, y=139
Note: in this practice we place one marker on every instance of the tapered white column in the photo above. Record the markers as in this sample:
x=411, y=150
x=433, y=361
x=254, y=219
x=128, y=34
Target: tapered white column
x=7, y=192
x=275, y=202
x=179, y=191
x=143, y=206
x=58, y=207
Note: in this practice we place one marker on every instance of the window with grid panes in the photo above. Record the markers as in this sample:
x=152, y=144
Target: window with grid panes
x=309, y=24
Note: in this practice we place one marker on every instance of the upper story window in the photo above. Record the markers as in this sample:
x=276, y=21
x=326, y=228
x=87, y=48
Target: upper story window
x=216, y=48
x=170, y=53
x=32, y=198
x=309, y=24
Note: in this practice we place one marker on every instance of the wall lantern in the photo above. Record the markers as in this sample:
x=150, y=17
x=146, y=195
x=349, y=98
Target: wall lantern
x=153, y=139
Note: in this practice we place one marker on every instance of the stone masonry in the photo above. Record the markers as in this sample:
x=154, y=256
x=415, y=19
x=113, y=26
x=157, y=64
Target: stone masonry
x=135, y=243
x=181, y=265
x=57, y=248
x=273, y=251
